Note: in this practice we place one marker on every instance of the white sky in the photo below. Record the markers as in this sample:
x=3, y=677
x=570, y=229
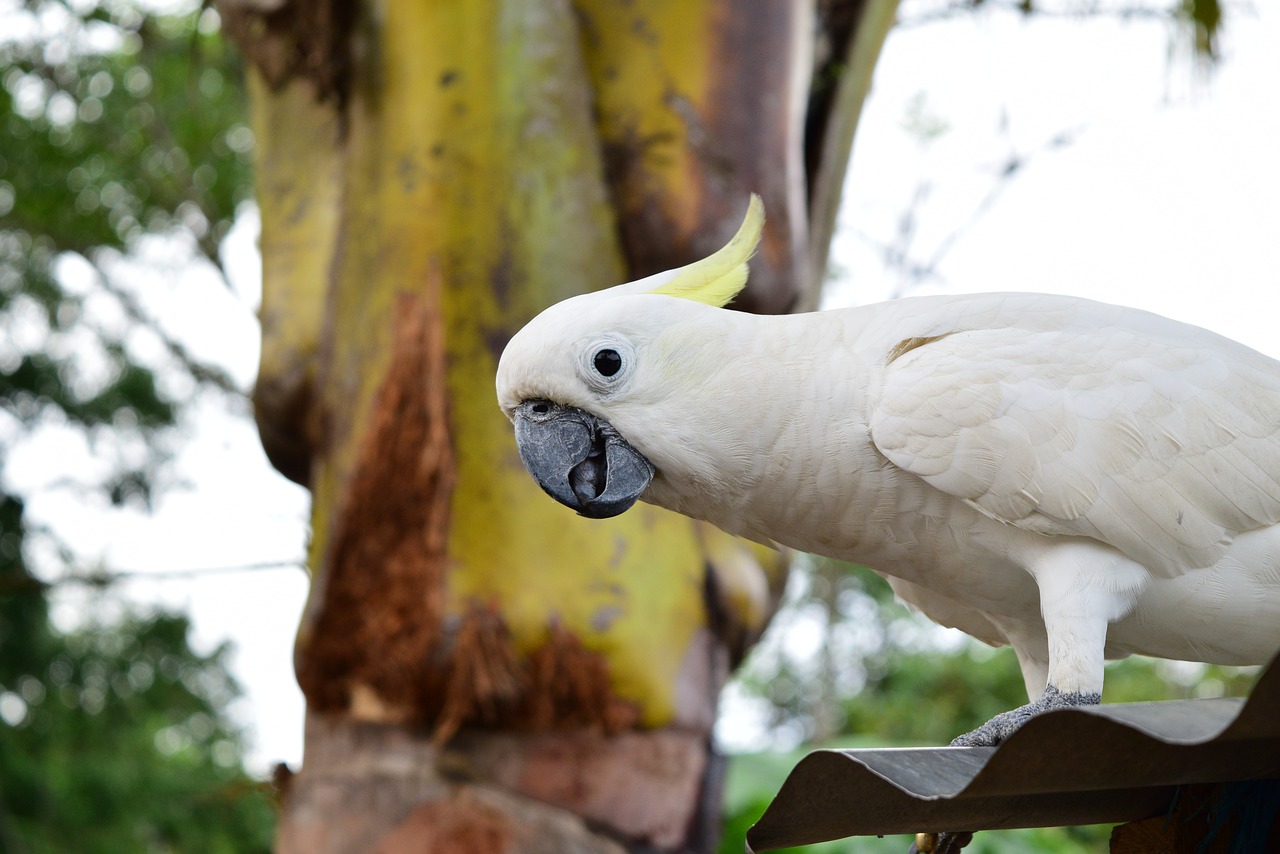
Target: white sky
x=1165, y=199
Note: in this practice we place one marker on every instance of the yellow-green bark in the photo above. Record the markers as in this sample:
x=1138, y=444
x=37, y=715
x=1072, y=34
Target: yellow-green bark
x=651, y=67
x=701, y=103
x=473, y=192
x=298, y=162
x=462, y=166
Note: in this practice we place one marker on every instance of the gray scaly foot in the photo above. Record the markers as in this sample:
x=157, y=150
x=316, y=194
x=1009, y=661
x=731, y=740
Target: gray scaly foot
x=996, y=730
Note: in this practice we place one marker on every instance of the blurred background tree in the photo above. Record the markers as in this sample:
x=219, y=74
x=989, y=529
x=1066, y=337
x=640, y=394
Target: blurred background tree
x=120, y=133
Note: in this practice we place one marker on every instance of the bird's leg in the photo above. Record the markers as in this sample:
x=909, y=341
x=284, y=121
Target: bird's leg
x=1081, y=593
x=1082, y=590
x=1075, y=678
x=1076, y=645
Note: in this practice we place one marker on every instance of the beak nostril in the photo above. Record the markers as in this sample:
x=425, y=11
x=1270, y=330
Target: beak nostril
x=541, y=408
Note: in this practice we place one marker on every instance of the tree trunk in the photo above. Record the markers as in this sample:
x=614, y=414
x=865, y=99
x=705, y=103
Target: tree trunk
x=484, y=671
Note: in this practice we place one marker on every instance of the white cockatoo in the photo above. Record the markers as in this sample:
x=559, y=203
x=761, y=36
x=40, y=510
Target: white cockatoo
x=1078, y=480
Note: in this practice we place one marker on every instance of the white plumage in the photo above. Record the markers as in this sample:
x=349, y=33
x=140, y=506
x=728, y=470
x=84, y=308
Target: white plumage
x=1075, y=479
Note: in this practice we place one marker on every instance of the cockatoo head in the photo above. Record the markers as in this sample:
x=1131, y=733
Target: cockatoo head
x=586, y=380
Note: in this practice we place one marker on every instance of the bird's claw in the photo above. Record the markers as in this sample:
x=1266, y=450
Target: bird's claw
x=939, y=843
x=990, y=734
x=1003, y=725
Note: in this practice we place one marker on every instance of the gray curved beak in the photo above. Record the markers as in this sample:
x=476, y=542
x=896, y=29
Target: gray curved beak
x=579, y=459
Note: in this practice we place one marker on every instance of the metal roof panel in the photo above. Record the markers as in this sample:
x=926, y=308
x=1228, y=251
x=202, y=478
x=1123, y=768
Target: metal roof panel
x=1108, y=763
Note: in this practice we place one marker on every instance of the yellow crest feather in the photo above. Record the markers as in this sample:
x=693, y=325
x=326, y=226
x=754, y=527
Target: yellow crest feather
x=718, y=278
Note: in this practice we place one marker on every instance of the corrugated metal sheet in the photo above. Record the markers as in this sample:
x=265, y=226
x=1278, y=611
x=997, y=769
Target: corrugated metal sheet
x=1109, y=763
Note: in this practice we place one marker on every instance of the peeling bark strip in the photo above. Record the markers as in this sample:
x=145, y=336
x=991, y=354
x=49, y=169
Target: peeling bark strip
x=381, y=648
x=560, y=686
x=570, y=687
x=295, y=38
x=383, y=595
x=483, y=680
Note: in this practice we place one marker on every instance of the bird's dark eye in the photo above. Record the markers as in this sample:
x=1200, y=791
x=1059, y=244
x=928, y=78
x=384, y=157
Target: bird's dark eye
x=607, y=362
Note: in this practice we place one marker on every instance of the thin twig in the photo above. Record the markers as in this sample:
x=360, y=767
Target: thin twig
x=898, y=255
x=201, y=372
x=104, y=578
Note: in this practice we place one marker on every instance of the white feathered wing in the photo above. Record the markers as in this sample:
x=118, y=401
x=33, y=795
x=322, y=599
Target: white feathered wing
x=1141, y=435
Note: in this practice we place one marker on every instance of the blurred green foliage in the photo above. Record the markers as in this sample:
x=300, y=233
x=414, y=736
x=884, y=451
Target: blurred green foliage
x=116, y=127
x=117, y=124
x=115, y=737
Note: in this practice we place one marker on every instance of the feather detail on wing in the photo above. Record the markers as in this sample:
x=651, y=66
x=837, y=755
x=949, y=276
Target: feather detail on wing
x=1158, y=438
